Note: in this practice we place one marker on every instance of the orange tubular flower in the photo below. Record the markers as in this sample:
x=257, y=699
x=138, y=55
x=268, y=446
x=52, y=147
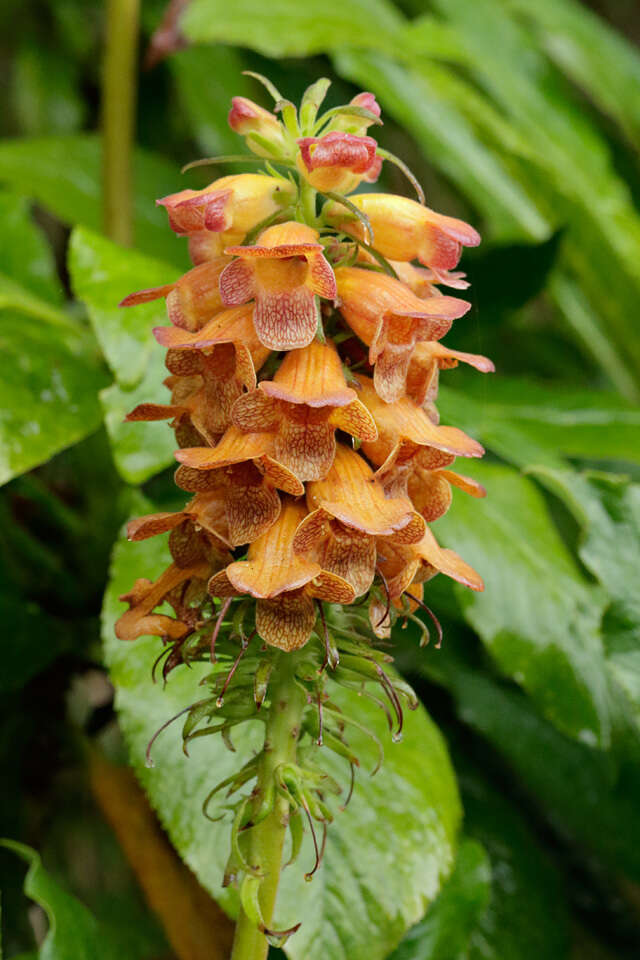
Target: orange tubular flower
x=351, y=123
x=139, y=621
x=228, y=207
x=244, y=472
x=405, y=230
x=412, y=453
x=192, y=300
x=338, y=161
x=302, y=407
x=348, y=511
x=388, y=317
x=211, y=368
x=283, y=273
x=284, y=583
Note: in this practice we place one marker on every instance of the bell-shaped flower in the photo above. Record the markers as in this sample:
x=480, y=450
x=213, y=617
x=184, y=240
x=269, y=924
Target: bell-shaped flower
x=413, y=454
x=228, y=207
x=349, y=511
x=211, y=366
x=285, y=584
x=243, y=470
x=338, y=161
x=403, y=229
x=283, y=273
x=192, y=300
x=390, y=320
x=197, y=533
x=302, y=407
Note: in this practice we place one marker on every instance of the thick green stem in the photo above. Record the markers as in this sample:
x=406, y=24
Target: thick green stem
x=267, y=838
x=118, y=118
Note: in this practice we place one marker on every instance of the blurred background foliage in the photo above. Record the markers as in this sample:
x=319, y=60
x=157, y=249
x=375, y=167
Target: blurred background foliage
x=523, y=118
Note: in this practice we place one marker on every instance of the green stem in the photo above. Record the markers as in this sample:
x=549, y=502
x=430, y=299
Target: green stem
x=267, y=838
x=118, y=118
x=308, y=203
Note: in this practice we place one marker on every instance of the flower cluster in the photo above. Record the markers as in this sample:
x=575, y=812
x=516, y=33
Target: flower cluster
x=321, y=462
x=303, y=351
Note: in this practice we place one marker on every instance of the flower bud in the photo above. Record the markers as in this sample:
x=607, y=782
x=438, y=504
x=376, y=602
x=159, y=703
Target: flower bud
x=354, y=124
x=338, y=161
x=257, y=124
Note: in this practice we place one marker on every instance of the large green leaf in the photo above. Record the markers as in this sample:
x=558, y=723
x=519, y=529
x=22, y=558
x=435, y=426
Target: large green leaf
x=581, y=791
x=206, y=78
x=48, y=391
x=386, y=854
x=74, y=933
x=445, y=932
x=529, y=423
x=289, y=28
x=592, y=53
x=538, y=616
x=103, y=273
x=526, y=917
x=25, y=255
x=64, y=175
x=607, y=508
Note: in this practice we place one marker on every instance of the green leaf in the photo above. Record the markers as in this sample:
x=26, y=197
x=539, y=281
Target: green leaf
x=607, y=508
x=593, y=54
x=538, y=617
x=373, y=883
x=46, y=91
x=206, y=79
x=582, y=792
x=74, y=933
x=526, y=917
x=289, y=28
x=532, y=424
x=64, y=175
x=25, y=255
x=48, y=394
x=102, y=273
x=446, y=931
x=32, y=639
x=603, y=228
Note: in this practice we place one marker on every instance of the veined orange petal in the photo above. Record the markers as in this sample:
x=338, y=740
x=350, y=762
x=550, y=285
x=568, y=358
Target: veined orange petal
x=286, y=319
x=234, y=447
x=350, y=494
x=256, y=413
x=155, y=411
x=153, y=524
x=343, y=551
x=252, y=506
x=271, y=566
x=305, y=441
x=229, y=326
x=447, y=562
x=404, y=421
x=311, y=375
x=356, y=420
x=146, y=596
x=286, y=621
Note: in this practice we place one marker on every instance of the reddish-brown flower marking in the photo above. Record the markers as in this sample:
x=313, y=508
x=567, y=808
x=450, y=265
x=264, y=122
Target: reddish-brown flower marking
x=257, y=124
x=405, y=230
x=283, y=273
x=284, y=583
x=348, y=511
x=388, y=317
x=302, y=407
x=243, y=468
x=211, y=368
